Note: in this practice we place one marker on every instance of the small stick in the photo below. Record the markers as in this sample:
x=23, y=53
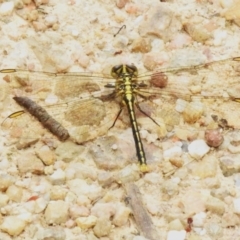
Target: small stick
x=43, y=117
x=143, y=220
x=123, y=26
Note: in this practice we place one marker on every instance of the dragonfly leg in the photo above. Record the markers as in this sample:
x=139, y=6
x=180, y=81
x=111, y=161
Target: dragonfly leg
x=116, y=118
x=139, y=108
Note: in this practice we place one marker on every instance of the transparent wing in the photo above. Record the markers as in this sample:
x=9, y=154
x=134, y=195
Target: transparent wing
x=213, y=79
x=190, y=96
x=72, y=99
x=172, y=97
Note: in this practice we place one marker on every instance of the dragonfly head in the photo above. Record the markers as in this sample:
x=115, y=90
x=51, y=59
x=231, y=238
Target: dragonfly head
x=122, y=70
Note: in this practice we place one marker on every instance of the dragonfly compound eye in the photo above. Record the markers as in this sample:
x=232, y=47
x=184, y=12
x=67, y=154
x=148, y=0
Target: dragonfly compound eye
x=117, y=71
x=120, y=70
x=132, y=70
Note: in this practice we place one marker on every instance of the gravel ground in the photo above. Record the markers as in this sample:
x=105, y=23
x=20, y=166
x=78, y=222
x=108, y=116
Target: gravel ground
x=94, y=190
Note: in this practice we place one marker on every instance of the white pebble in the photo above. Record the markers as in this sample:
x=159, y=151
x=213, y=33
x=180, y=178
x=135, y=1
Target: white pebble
x=56, y=212
x=70, y=198
x=14, y=193
x=121, y=3
x=46, y=155
x=75, y=32
x=180, y=40
x=192, y=112
x=29, y=206
x=83, y=200
x=152, y=205
x=51, y=99
x=80, y=187
x=70, y=223
x=121, y=216
x=176, y=225
x=26, y=216
x=180, y=105
x=70, y=173
x=41, y=204
x=3, y=200
x=153, y=178
x=29, y=162
x=86, y=222
x=102, y=227
x=170, y=187
x=6, y=181
x=140, y=238
x=144, y=133
x=215, y=205
x=198, y=148
x=58, y=177
x=76, y=211
x=226, y=3
x=198, y=219
x=12, y=225
x=206, y=168
x=192, y=202
x=114, y=147
x=4, y=164
x=196, y=89
x=176, y=235
x=58, y=193
x=151, y=138
x=128, y=174
x=172, y=153
x=105, y=210
x=50, y=20
x=105, y=178
x=48, y=170
x=120, y=41
x=40, y=2
x=219, y=37
x=215, y=230
x=6, y=8
x=236, y=205
x=83, y=60
x=18, y=4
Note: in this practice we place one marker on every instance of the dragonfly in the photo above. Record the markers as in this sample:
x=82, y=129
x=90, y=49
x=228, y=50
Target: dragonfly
x=84, y=100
